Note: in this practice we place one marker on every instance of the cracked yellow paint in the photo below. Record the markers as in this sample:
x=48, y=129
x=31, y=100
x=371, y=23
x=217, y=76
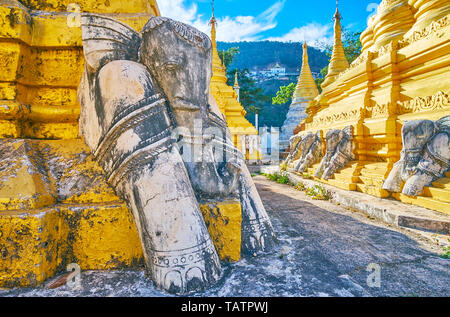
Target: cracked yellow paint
x=223, y=220
x=36, y=244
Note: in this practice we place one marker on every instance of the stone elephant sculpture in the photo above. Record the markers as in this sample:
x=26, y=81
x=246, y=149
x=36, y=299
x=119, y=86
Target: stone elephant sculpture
x=294, y=153
x=311, y=151
x=425, y=156
x=145, y=116
x=339, y=152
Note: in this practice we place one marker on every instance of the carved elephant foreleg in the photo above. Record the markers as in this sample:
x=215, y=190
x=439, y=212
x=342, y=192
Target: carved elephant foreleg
x=343, y=155
x=178, y=249
x=312, y=156
x=257, y=231
x=321, y=167
x=128, y=128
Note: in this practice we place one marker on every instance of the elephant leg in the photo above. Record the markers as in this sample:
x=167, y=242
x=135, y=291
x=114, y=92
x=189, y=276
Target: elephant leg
x=393, y=182
x=298, y=165
x=178, y=250
x=331, y=167
x=307, y=162
x=257, y=231
x=319, y=171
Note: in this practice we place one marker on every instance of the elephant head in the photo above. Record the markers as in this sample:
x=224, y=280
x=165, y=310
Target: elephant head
x=176, y=55
x=415, y=135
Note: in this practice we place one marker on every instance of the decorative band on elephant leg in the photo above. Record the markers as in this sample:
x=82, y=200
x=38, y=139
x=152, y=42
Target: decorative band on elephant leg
x=257, y=231
x=257, y=235
x=137, y=121
x=187, y=270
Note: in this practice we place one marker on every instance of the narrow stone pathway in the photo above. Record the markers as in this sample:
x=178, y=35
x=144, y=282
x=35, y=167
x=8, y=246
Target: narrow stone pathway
x=323, y=250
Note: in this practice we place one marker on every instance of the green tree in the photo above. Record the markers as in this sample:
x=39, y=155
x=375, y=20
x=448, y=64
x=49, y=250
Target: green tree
x=227, y=56
x=352, y=48
x=252, y=97
x=284, y=95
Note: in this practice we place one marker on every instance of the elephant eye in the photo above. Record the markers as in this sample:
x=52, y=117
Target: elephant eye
x=171, y=66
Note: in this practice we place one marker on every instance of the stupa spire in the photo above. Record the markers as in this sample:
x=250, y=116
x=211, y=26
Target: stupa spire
x=218, y=68
x=236, y=83
x=306, y=86
x=338, y=61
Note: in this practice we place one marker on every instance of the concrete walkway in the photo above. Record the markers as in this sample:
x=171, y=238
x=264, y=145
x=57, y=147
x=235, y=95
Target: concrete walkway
x=323, y=250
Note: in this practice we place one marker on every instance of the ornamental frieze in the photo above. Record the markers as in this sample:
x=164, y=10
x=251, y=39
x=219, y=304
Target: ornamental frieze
x=438, y=101
x=432, y=28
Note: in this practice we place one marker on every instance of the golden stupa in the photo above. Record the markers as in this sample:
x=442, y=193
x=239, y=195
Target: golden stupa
x=305, y=91
x=227, y=100
x=338, y=62
x=401, y=74
x=306, y=86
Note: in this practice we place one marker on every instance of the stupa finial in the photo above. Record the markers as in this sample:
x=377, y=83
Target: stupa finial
x=236, y=83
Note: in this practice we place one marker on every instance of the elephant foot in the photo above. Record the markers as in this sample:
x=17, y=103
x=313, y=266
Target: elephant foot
x=412, y=190
x=415, y=184
x=186, y=271
x=327, y=174
x=392, y=187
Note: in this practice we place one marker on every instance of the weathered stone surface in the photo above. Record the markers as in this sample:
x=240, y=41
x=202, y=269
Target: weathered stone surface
x=339, y=152
x=310, y=148
x=63, y=212
x=425, y=156
x=161, y=154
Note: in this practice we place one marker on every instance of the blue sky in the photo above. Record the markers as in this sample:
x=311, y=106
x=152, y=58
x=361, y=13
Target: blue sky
x=282, y=20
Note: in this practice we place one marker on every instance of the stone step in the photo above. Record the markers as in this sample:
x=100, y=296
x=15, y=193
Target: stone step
x=371, y=181
x=341, y=184
x=425, y=202
x=376, y=174
x=437, y=194
x=376, y=165
x=389, y=210
x=442, y=183
x=346, y=178
x=372, y=190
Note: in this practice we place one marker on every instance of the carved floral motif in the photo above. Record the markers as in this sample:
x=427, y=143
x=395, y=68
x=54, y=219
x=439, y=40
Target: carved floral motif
x=432, y=28
x=421, y=104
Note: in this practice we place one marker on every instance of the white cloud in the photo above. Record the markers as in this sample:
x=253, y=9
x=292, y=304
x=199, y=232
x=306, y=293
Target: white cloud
x=246, y=28
x=229, y=29
x=313, y=33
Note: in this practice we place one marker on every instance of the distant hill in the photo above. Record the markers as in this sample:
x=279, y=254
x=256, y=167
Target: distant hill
x=257, y=56
x=260, y=55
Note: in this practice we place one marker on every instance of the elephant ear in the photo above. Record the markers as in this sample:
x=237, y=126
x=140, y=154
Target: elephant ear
x=106, y=40
x=443, y=124
x=349, y=131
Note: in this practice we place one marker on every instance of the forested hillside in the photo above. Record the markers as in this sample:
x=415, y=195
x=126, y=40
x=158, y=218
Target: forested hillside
x=259, y=55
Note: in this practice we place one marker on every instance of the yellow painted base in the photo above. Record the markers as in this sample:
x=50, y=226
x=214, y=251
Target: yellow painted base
x=223, y=220
x=425, y=202
x=36, y=244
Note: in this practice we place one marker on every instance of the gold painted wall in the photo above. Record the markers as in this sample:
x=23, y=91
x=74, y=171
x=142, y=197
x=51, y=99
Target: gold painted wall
x=41, y=59
x=402, y=74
